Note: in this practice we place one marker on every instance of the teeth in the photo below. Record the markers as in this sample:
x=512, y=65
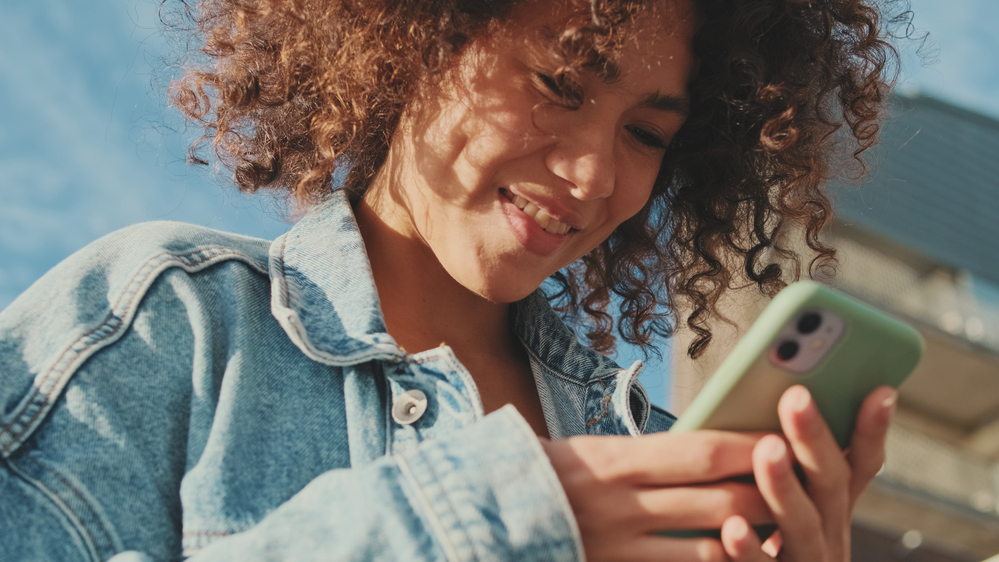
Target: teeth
x=542, y=218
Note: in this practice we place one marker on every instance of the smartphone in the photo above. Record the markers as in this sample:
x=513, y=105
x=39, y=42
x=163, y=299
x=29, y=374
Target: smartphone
x=836, y=346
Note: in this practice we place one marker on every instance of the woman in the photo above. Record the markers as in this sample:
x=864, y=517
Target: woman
x=387, y=381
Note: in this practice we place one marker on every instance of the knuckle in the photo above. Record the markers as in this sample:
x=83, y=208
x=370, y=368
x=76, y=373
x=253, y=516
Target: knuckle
x=836, y=470
x=604, y=457
x=834, y=483
x=741, y=500
x=708, y=455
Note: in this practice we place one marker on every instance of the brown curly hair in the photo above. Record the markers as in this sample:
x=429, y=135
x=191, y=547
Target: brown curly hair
x=292, y=91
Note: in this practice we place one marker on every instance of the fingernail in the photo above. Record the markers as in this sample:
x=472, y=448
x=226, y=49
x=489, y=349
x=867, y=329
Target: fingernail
x=891, y=401
x=801, y=404
x=889, y=405
x=738, y=529
x=777, y=450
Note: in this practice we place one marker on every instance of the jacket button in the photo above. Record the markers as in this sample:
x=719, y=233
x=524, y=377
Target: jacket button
x=409, y=406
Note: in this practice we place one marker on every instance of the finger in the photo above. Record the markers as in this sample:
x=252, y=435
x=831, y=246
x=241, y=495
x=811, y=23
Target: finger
x=773, y=544
x=740, y=542
x=665, y=459
x=827, y=473
x=705, y=507
x=655, y=548
x=866, y=455
x=797, y=517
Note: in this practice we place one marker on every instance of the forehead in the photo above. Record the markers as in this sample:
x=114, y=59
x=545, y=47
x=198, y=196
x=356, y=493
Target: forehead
x=612, y=19
x=602, y=36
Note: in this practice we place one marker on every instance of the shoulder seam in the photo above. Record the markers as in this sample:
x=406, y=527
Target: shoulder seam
x=49, y=383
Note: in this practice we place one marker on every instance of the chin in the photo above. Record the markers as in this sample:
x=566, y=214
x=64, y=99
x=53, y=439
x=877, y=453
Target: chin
x=504, y=295
x=502, y=290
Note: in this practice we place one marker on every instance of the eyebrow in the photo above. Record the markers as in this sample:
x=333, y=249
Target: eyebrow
x=611, y=73
x=668, y=102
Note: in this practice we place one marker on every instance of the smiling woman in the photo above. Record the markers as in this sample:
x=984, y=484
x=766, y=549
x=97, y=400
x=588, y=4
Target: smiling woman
x=494, y=133
x=498, y=129
x=300, y=84
x=387, y=380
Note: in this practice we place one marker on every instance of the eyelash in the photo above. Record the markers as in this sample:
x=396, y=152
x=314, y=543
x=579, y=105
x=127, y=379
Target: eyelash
x=548, y=82
x=643, y=136
x=647, y=138
x=568, y=95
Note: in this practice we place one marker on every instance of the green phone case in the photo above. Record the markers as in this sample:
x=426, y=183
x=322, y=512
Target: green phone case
x=873, y=349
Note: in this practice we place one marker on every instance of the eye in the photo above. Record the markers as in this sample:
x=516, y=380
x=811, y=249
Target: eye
x=565, y=94
x=647, y=137
x=547, y=82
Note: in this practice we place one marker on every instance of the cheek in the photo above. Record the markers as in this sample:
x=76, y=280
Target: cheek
x=500, y=131
x=624, y=204
x=631, y=198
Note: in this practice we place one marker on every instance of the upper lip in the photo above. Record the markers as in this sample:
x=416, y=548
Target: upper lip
x=552, y=208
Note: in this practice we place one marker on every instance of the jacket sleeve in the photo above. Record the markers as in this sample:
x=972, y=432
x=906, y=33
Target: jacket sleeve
x=487, y=494
x=96, y=417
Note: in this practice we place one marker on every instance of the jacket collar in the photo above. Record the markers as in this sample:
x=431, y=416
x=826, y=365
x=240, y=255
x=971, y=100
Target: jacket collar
x=323, y=294
x=549, y=341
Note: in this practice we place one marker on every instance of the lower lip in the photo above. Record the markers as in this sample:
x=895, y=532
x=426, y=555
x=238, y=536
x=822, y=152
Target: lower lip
x=536, y=239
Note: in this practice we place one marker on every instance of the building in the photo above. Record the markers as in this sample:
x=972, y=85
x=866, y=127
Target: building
x=920, y=239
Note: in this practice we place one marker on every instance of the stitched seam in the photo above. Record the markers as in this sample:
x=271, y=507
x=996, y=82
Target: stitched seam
x=94, y=513
x=561, y=499
x=280, y=298
x=469, y=381
x=37, y=389
x=68, y=360
x=446, y=546
x=279, y=280
x=451, y=361
x=385, y=394
x=67, y=350
x=423, y=360
x=605, y=401
x=557, y=373
x=201, y=537
x=67, y=354
x=51, y=495
x=627, y=390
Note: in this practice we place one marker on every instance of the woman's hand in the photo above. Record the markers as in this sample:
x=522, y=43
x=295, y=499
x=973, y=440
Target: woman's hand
x=622, y=490
x=814, y=519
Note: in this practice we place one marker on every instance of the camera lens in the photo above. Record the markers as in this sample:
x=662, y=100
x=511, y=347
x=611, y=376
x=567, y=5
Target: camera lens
x=787, y=350
x=809, y=322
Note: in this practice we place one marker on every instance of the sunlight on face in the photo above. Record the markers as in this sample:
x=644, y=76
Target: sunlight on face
x=503, y=187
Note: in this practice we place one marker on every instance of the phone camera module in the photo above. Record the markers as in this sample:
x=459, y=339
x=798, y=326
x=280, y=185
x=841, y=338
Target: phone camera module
x=809, y=322
x=787, y=350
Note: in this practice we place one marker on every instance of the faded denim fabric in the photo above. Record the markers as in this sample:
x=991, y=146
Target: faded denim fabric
x=172, y=391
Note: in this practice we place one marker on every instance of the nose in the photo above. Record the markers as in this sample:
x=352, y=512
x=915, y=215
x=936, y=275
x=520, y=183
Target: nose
x=585, y=159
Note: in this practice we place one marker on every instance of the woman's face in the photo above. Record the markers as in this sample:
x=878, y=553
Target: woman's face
x=502, y=187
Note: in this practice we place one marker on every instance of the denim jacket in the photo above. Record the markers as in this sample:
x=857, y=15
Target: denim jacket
x=172, y=391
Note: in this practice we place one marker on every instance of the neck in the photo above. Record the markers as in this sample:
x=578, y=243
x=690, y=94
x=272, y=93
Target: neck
x=424, y=306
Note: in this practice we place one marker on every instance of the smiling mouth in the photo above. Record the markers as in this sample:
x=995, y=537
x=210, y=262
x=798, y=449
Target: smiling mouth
x=540, y=217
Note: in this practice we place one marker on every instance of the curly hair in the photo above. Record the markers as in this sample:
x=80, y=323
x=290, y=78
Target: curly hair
x=294, y=90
